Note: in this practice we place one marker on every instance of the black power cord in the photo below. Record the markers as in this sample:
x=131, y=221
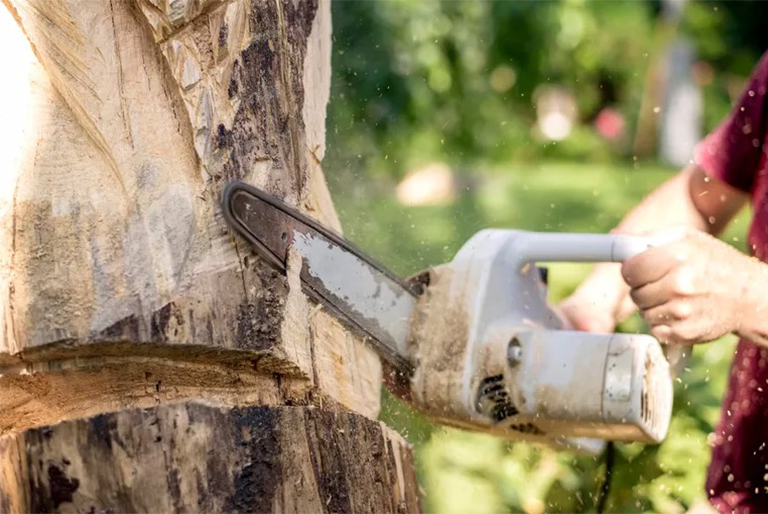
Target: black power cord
x=605, y=488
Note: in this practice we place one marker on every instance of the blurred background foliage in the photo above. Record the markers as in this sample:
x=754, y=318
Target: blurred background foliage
x=451, y=116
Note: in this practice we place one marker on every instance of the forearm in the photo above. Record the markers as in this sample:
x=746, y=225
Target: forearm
x=668, y=205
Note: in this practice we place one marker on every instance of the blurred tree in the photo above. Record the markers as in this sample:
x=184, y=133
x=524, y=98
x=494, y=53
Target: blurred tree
x=417, y=80
x=454, y=80
x=730, y=38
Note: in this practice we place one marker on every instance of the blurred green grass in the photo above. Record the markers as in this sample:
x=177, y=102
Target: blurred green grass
x=463, y=472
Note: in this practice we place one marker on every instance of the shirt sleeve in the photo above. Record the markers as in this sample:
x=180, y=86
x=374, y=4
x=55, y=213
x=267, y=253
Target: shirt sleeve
x=733, y=151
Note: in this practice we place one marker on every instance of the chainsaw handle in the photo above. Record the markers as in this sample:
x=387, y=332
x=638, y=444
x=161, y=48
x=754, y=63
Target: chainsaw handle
x=534, y=247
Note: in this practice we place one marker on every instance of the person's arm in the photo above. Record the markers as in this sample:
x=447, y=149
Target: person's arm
x=690, y=286
x=689, y=199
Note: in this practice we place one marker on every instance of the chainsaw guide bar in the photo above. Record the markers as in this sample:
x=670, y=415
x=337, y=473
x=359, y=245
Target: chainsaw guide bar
x=361, y=293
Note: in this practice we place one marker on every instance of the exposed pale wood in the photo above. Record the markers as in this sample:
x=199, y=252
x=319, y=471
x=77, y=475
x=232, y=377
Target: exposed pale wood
x=122, y=289
x=69, y=389
x=137, y=114
x=192, y=457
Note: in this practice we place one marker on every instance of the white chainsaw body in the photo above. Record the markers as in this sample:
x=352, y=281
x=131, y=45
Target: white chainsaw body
x=525, y=375
x=479, y=347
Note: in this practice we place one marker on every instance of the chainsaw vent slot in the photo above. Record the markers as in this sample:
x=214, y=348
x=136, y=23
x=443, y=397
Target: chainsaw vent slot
x=493, y=399
x=526, y=428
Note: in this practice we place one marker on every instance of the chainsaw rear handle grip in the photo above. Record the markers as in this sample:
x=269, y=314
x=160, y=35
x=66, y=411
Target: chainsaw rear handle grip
x=565, y=247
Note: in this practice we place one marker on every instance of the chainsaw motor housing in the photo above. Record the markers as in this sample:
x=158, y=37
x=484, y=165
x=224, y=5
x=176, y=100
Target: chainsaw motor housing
x=523, y=374
x=573, y=384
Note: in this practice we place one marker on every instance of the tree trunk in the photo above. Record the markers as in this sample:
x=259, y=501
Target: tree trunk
x=126, y=301
x=193, y=457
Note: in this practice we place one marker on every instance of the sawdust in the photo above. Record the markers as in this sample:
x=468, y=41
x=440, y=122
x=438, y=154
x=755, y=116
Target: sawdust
x=437, y=345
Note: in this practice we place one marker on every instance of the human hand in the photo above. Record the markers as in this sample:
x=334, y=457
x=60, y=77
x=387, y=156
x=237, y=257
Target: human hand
x=693, y=288
x=586, y=314
x=599, y=302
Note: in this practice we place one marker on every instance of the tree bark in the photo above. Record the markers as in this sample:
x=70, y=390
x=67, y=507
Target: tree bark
x=123, y=291
x=197, y=458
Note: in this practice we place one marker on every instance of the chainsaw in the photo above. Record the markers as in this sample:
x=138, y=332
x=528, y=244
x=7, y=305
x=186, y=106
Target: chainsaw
x=474, y=343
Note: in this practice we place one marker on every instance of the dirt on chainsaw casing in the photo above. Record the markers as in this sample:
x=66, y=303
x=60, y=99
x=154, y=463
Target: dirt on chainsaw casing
x=440, y=326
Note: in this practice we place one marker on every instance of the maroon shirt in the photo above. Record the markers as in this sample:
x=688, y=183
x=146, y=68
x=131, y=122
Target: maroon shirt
x=735, y=153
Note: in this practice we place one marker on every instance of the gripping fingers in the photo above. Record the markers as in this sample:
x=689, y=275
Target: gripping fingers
x=662, y=332
x=666, y=313
x=648, y=267
x=650, y=295
x=677, y=333
x=671, y=323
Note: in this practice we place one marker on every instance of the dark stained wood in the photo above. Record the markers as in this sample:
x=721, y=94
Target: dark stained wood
x=191, y=457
